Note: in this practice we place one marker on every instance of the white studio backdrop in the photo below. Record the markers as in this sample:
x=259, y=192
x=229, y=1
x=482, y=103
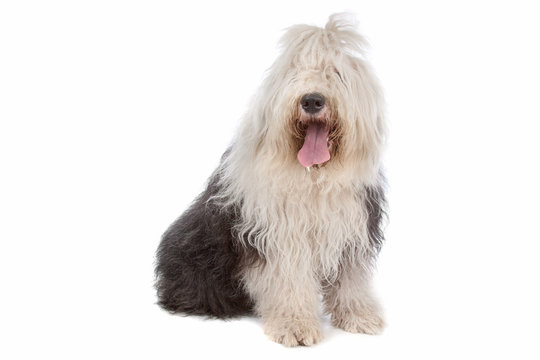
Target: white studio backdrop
x=114, y=113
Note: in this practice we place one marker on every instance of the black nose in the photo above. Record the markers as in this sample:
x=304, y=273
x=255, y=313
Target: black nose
x=312, y=103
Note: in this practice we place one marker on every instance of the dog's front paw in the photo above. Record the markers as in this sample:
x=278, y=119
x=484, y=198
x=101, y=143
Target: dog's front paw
x=367, y=321
x=294, y=332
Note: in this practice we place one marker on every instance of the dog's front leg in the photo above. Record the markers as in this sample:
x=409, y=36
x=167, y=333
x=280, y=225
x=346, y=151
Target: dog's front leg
x=286, y=298
x=351, y=302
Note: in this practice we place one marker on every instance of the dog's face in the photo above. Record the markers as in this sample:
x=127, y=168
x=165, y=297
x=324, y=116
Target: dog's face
x=316, y=126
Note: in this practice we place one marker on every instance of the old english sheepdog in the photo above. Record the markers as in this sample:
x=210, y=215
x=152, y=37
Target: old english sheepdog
x=293, y=212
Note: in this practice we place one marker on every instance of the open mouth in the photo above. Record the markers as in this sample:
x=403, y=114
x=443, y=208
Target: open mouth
x=317, y=143
x=317, y=140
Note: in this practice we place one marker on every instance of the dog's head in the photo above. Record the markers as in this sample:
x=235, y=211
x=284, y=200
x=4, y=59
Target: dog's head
x=320, y=102
x=320, y=107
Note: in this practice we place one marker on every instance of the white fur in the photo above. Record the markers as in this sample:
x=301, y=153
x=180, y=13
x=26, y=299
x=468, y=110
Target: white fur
x=304, y=223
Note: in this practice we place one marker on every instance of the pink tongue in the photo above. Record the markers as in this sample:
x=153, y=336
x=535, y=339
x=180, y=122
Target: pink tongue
x=315, y=148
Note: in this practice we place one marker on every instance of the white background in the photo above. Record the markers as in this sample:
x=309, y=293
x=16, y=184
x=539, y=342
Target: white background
x=114, y=113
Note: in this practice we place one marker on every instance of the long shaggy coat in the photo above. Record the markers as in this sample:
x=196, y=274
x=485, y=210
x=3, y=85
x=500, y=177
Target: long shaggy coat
x=288, y=216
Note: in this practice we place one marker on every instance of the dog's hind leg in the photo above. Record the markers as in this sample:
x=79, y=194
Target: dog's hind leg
x=198, y=262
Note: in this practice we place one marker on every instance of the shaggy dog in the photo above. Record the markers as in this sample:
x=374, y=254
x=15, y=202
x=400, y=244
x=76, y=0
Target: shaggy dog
x=294, y=209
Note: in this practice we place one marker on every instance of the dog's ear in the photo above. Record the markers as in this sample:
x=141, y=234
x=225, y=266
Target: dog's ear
x=370, y=96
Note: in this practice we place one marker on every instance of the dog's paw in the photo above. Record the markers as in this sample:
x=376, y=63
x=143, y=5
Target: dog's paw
x=367, y=321
x=294, y=332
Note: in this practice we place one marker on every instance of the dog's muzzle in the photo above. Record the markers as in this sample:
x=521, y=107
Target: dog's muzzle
x=314, y=116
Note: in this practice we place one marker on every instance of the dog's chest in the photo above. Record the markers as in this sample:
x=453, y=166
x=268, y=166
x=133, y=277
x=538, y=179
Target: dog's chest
x=328, y=227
